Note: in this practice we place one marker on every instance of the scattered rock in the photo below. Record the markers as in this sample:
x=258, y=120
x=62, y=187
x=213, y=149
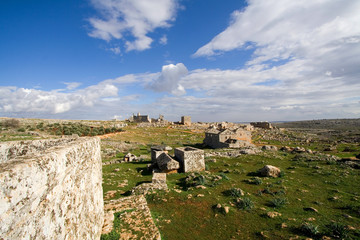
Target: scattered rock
x=130, y=157
x=226, y=209
x=273, y=214
x=283, y=225
x=311, y=209
x=269, y=148
x=270, y=171
x=200, y=195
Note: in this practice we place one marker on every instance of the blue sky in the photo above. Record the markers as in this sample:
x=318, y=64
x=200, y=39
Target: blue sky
x=214, y=60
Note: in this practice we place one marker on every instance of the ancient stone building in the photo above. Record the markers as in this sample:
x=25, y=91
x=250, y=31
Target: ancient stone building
x=264, y=125
x=140, y=118
x=186, y=120
x=191, y=159
x=186, y=159
x=227, y=138
x=51, y=189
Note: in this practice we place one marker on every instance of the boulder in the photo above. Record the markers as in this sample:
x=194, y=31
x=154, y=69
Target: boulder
x=159, y=178
x=269, y=148
x=130, y=157
x=167, y=163
x=270, y=171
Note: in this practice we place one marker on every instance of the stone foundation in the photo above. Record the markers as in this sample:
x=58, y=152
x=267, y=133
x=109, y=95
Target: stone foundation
x=51, y=189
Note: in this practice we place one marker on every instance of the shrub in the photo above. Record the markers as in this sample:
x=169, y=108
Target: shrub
x=21, y=130
x=257, y=181
x=309, y=229
x=337, y=230
x=236, y=192
x=11, y=123
x=278, y=202
x=244, y=203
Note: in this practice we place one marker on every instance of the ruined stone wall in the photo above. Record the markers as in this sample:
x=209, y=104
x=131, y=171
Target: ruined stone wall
x=213, y=140
x=186, y=120
x=191, y=159
x=51, y=189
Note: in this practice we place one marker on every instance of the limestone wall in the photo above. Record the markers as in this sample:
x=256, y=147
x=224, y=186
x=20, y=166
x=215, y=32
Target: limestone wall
x=191, y=159
x=51, y=189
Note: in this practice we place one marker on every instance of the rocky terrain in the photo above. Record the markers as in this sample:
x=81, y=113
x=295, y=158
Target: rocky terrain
x=299, y=181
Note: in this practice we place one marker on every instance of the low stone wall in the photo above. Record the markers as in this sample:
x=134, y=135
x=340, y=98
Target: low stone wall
x=51, y=189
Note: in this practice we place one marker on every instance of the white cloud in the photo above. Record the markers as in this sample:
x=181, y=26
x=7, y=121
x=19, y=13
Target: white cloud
x=115, y=50
x=281, y=29
x=137, y=17
x=318, y=43
x=169, y=79
x=163, y=40
x=72, y=85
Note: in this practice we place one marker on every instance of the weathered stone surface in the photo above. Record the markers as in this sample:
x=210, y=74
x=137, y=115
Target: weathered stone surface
x=51, y=189
x=146, y=188
x=136, y=217
x=159, y=178
x=129, y=157
x=167, y=163
x=273, y=214
x=158, y=183
x=191, y=159
x=270, y=171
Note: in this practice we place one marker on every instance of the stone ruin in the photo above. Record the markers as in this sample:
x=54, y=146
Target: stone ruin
x=191, y=159
x=51, y=189
x=264, y=125
x=186, y=120
x=186, y=159
x=158, y=183
x=228, y=138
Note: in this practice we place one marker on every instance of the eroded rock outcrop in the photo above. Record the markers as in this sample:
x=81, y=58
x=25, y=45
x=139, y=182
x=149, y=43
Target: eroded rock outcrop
x=51, y=189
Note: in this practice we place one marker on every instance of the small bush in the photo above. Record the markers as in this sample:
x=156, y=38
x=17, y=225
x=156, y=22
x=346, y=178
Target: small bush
x=278, y=202
x=236, y=192
x=309, y=229
x=21, y=130
x=244, y=203
x=337, y=230
x=11, y=123
x=255, y=180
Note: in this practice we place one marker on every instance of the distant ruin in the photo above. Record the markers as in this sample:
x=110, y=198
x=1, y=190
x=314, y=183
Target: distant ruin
x=140, y=118
x=186, y=120
x=264, y=125
x=227, y=138
x=51, y=189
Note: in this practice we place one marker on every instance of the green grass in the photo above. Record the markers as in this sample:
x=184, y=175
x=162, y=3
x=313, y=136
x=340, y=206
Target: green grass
x=330, y=187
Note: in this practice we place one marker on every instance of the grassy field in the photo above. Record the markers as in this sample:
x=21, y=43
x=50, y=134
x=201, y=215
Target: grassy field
x=315, y=196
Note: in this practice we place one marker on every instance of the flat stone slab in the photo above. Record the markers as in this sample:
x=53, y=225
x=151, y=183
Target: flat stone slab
x=135, y=216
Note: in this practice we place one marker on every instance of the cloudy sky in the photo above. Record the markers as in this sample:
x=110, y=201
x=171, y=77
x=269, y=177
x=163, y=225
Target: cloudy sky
x=255, y=60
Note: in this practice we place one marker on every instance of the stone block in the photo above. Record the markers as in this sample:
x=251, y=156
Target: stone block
x=51, y=189
x=191, y=159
